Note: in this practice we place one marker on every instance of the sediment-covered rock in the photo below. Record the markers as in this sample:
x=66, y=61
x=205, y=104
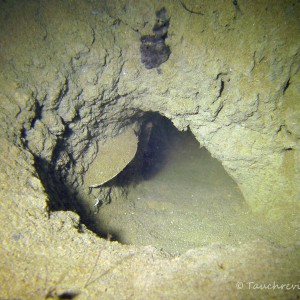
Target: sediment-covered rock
x=71, y=75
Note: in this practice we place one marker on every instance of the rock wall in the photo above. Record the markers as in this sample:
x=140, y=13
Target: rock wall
x=71, y=74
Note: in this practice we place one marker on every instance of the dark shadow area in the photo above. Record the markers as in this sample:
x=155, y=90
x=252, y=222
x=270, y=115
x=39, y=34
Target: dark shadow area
x=155, y=152
x=155, y=135
x=169, y=169
x=62, y=197
x=178, y=196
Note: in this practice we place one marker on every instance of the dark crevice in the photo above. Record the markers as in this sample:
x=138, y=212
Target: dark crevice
x=221, y=74
x=286, y=86
x=38, y=113
x=281, y=127
x=221, y=88
x=53, y=185
x=222, y=85
x=190, y=10
x=53, y=176
x=23, y=138
x=217, y=111
x=63, y=196
x=152, y=152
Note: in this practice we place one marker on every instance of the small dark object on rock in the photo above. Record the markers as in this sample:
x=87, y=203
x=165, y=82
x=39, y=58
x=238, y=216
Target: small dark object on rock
x=52, y=294
x=154, y=51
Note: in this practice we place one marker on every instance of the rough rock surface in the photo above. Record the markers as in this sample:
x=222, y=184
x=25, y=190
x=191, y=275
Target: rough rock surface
x=71, y=74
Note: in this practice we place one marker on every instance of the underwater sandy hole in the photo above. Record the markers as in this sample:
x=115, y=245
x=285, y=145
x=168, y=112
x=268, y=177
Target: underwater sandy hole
x=183, y=199
x=178, y=197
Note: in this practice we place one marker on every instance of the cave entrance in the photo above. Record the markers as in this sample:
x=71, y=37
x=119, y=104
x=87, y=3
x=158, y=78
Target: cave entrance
x=179, y=197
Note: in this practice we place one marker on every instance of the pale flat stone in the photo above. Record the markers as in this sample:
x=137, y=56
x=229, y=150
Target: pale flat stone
x=113, y=156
